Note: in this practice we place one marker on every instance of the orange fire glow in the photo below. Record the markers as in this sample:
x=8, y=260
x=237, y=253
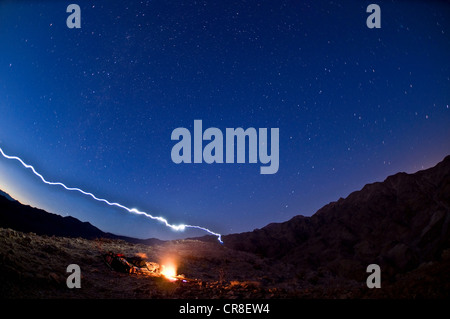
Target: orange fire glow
x=169, y=270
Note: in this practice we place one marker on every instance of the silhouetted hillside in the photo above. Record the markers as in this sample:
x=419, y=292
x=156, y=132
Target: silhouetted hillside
x=24, y=218
x=6, y=195
x=399, y=224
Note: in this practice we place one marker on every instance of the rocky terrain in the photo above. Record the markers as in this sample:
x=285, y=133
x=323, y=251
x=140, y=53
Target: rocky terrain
x=401, y=224
x=34, y=266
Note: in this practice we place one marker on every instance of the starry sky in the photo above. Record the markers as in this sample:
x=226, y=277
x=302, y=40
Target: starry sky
x=95, y=107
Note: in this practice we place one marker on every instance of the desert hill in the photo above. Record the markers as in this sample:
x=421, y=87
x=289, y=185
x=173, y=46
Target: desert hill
x=399, y=224
x=28, y=219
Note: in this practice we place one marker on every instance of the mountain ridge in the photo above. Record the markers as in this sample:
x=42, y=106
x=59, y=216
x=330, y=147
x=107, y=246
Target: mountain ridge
x=25, y=218
x=398, y=223
x=6, y=195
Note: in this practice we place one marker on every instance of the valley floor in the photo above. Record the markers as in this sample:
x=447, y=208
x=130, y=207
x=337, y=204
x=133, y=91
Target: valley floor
x=33, y=266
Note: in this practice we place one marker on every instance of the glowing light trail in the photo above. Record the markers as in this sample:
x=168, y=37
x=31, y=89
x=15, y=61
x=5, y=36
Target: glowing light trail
x=130, y=210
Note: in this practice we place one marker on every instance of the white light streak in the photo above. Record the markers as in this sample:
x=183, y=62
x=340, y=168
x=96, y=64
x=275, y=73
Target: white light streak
x=130, y=210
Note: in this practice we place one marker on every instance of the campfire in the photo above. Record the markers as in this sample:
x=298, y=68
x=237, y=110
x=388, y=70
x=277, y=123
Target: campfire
x=169, y=271
x=139, y=265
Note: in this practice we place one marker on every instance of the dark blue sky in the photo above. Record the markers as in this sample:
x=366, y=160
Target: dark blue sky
x=95, y=107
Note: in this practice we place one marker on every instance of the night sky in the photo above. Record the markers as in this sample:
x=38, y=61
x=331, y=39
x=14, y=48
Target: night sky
x=95, y=107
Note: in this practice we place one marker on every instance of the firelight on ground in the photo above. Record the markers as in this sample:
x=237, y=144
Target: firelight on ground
x=169, y=270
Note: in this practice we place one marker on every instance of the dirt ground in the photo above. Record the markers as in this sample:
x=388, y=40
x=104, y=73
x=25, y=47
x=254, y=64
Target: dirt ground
x=35, y=267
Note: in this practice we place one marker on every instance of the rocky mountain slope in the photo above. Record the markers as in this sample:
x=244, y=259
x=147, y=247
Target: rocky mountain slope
x=399, y=223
